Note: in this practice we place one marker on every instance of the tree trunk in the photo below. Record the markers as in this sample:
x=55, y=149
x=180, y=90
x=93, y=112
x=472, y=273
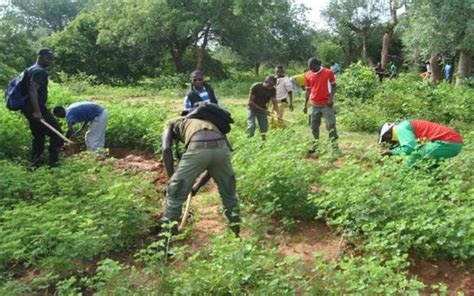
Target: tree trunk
x=202, y=49
x=464, y=67
x=387, y=37
x=177, y=57
x=365, y=54
x=436, y=73
x=257, y=68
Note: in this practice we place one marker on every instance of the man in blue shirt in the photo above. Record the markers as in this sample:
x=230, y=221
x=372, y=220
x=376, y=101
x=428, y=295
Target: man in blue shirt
x=200, y=92
x=448, y=71
x=86, y=112
x=335, y=68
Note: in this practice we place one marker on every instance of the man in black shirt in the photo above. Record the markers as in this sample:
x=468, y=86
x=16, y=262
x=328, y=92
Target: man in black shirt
x=260, y=94
x=35, y=110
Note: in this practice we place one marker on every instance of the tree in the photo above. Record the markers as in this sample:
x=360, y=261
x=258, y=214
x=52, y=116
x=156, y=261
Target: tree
x=54, y=15
x=394, y=5
x=442, y=28
x=329, y=50
x=78, y=51
x=16, y=51
x=267, y=31
x=357, y=15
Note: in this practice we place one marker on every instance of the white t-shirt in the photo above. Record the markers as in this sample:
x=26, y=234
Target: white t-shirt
x=283, y=87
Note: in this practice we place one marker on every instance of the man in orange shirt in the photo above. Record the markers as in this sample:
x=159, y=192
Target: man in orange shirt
x=320, y=88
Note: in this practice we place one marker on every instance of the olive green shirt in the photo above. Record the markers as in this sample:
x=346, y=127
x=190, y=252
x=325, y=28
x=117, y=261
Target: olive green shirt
x=185, y=128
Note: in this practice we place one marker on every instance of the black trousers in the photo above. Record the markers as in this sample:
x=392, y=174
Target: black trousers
x=40, y=131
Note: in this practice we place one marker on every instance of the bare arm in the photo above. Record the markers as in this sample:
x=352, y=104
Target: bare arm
x=167, y=152
x=306, y=98
x=253, y=104
x=275, y=107
x=290, y=95
x=34, y=86
x=70, y=130
x=331, y=96
x=205, y=177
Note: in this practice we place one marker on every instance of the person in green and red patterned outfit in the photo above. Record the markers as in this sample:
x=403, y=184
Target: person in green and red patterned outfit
x=421, y=140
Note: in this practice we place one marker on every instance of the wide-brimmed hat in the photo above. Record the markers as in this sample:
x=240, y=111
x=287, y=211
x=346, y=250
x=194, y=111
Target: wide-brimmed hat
x=387, y=127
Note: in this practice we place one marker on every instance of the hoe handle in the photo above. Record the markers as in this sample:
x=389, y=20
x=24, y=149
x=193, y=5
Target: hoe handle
x=56, y=131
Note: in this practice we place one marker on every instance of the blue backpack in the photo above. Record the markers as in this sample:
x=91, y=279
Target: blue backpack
x=16, y=94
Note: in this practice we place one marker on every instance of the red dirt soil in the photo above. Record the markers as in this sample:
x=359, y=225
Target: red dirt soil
x=140, y=161
x=443, y=271
x=310, y=237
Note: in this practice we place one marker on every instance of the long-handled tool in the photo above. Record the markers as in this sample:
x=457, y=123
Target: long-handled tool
x=184, y=220
x=284, y=119
x=56, y=131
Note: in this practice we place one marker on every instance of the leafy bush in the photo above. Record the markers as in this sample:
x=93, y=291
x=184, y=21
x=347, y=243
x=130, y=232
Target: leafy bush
x=358, y=82
x=15, y=135
x=135, y=126
x=397, y=209
x=78, y=83
x=406, y=97
x=61, y=219
x=355, y=275
x=176, y=81
x=360, y=116
x=272, y=176
x=230, y=266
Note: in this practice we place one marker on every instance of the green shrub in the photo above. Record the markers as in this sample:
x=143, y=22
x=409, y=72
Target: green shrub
x=358, y=82
x=15, y=135
x=135, y=126
x=368, y=275
x=406, y=97
x=61, y=219
x=398, y=209
x=272, y=176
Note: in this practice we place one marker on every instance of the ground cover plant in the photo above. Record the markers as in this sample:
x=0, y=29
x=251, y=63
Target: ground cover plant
x=57, y=222
x=398, y=210
x=62, y=225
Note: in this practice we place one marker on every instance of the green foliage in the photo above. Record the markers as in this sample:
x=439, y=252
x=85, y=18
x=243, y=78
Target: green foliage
x=330, y=50
x=60, y=220
x=405, y=97
x=272, y=176
x=16, y=52
x=136, y=126
x=78, y=51
x=235, y=267
x=398, y=209
x=15, y=135
x=438, y=27
x=51, y=14
x=368, y=275
x=358, y=82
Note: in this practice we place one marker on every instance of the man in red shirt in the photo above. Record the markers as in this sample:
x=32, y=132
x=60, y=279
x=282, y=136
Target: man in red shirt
x=420, y=140
x=320, y=88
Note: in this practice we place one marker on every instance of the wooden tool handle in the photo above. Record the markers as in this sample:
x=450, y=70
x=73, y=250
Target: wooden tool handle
x=56, y=131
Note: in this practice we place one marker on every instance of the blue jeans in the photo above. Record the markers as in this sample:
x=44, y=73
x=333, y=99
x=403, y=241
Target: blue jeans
x=262, y=122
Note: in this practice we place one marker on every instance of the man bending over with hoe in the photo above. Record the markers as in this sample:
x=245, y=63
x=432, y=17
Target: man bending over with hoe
x=260, y=94
x=420, y=139
x=207, y=149
x=85, y=112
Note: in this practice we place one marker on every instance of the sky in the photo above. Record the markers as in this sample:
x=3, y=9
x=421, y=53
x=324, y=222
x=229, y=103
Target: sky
x=315, y=6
